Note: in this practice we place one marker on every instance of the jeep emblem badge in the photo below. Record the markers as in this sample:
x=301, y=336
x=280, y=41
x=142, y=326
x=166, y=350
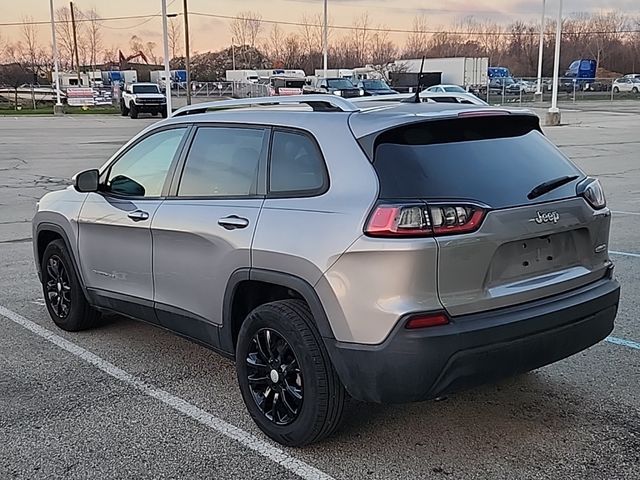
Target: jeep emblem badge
x=546, y=217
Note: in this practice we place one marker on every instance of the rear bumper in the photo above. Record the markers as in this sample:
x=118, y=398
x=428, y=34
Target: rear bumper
x=415, y=365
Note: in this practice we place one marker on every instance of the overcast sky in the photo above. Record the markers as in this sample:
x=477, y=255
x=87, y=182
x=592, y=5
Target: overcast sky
x=212, y=34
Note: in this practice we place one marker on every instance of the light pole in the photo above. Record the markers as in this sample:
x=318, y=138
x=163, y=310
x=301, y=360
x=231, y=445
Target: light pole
x=187, y=55
x=325, y=39
x=167, y=70
x=553, y=116
x=233, y=53
x=540, y=51
x=57, y=109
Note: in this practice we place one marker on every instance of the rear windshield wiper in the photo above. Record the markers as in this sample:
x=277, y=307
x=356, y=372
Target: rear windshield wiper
x=546, y=187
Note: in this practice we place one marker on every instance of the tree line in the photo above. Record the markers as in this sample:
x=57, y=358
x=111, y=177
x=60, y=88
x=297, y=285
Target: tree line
x=611, y=38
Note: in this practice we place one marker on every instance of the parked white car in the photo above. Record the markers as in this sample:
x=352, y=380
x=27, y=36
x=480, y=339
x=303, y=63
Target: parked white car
x=626, y=84
x=446, y=89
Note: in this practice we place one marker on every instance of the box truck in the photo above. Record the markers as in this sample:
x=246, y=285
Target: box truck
x=463, y=71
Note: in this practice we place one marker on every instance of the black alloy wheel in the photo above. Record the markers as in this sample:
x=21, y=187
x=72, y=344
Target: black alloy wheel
x=62, y=290
x=286, y=377
x=274, y=377
x=58, y=287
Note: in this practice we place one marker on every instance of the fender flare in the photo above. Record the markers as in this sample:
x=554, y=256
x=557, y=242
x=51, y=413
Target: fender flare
x=52, y=227
x=277, y=278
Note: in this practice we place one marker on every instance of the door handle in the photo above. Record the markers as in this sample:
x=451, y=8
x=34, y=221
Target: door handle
x=232, y=222
x=138, y=215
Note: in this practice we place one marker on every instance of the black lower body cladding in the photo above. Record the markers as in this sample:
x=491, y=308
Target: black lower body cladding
x=415, y=365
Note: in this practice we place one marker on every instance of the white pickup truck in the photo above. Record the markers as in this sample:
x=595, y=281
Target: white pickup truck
x=142, y=98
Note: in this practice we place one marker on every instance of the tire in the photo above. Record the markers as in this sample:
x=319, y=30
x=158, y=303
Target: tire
x=635, y=90
x=59, y=276
x=317, y=409
x=124, y=111
x=616, y=90
x=163, y=113
x=133, y=111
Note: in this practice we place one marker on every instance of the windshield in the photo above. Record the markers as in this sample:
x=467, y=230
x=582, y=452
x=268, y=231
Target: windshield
x=375, y=85
x=339, y=83
x=145, y=89
x=455, y=89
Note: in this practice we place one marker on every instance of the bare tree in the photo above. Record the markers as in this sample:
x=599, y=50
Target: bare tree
x=274, y=45
x=311, y=37
x=292, y=51
x=64, y=33
x=93, y=36
x=382, y=50
x=150, y=50
x=416, y=44
x=175, y=37
x=361, y=38
x=30, y=47
x=246, y=29
x=603, y=32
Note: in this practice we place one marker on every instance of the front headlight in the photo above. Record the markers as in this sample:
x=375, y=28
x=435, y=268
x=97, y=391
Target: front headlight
x=337, y=92
x=592, y=192
x=361, y=92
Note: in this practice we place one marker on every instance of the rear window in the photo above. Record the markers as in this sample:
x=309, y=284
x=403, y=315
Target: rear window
x=494, y=160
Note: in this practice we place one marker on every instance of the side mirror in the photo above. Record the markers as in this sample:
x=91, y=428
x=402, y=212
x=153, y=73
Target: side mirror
x=86, y=181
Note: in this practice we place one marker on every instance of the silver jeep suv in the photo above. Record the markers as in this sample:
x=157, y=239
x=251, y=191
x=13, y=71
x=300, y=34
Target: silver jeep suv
x=380, y=249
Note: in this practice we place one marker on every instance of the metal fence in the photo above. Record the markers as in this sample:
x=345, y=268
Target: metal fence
x=42, y=96
x=525, y=90
x=221, y=89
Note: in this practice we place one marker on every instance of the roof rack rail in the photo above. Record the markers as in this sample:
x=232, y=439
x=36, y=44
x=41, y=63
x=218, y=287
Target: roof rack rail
x=319, y=103
x=425, y=96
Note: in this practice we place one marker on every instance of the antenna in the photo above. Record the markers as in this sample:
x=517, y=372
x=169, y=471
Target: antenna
x=416, y=97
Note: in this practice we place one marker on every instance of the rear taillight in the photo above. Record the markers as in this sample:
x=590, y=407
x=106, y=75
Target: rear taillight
x=592, y=191
x=420, y=220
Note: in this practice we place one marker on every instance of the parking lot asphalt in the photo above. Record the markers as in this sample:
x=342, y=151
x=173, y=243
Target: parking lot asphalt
x=127, y=400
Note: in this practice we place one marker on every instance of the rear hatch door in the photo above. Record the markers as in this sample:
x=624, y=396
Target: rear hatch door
x=527, y=246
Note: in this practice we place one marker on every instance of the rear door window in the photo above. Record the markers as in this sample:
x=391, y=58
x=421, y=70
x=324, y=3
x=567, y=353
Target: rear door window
x=494, y=160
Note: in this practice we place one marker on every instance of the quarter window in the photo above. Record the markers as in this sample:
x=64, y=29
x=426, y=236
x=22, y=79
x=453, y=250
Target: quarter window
x=142, y=170
x=222, y=162
x=296, y=164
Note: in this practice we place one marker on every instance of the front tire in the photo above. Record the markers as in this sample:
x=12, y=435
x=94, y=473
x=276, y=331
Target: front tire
x=286, y=378
x=63, y=295
x=616, y=90
x=635, y=90
x=133, y=111
x=124, y=111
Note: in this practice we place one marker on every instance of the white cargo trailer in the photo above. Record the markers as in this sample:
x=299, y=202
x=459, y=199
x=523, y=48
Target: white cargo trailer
x=158, y=77
x=242, y=76
x=129, y=76
x=463, y=71
x=335, y=73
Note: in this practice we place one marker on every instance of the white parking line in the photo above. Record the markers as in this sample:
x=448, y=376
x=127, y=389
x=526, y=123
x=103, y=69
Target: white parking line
x=620, y=212
x=623, y=342
x=625, y=254
x=246, y=439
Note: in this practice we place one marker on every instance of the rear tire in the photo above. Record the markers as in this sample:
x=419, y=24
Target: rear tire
x=63, y=294
x=286, y=378
x=133, y=111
